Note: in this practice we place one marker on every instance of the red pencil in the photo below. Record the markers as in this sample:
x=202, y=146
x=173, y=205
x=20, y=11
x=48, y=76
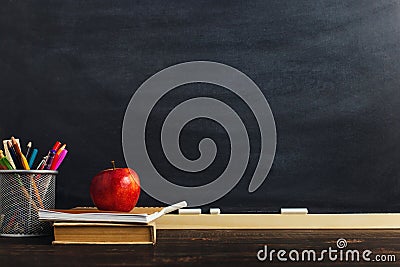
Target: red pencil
x=56, y=146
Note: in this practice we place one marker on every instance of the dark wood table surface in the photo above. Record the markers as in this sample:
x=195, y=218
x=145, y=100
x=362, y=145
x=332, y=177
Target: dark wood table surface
x=208, y=248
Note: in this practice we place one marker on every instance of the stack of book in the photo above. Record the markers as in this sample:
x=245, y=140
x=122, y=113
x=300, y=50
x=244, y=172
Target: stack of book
x=91, y=226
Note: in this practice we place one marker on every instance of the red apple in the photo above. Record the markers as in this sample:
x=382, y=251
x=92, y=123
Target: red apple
x=115, y=189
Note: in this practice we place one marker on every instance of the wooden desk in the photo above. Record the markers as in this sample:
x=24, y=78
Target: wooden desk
x=200, y=247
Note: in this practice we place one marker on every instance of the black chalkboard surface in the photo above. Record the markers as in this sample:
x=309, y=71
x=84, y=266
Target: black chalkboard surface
x=330, y=71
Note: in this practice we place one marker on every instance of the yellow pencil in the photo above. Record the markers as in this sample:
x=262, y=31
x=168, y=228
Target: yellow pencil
x=25, y=165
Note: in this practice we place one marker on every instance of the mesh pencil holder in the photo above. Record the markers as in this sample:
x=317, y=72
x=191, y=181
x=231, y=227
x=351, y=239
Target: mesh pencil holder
x=22, y=194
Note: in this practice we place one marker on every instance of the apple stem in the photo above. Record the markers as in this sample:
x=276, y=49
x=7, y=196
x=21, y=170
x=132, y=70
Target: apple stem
x=113, y=164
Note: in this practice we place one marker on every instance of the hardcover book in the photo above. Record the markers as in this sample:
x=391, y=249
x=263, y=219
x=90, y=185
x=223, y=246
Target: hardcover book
x=103, y=233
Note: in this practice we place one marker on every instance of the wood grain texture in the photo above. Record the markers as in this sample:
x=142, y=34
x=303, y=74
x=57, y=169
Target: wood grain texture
x=198, y=247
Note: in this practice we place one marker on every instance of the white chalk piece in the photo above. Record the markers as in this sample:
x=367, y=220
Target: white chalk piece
x=189, y=211
x=294, y=211
x=215, y=211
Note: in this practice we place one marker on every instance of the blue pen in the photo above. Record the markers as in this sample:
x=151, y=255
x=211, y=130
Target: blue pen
x=33, y=157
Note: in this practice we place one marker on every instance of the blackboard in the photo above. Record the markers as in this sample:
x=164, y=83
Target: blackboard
x=330, y=71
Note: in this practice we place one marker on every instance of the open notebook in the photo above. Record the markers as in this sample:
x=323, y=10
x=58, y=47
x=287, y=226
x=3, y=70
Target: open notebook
x=51, y=215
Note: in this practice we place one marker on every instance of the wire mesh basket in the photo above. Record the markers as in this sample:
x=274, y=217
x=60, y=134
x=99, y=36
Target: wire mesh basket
x=22, y=194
